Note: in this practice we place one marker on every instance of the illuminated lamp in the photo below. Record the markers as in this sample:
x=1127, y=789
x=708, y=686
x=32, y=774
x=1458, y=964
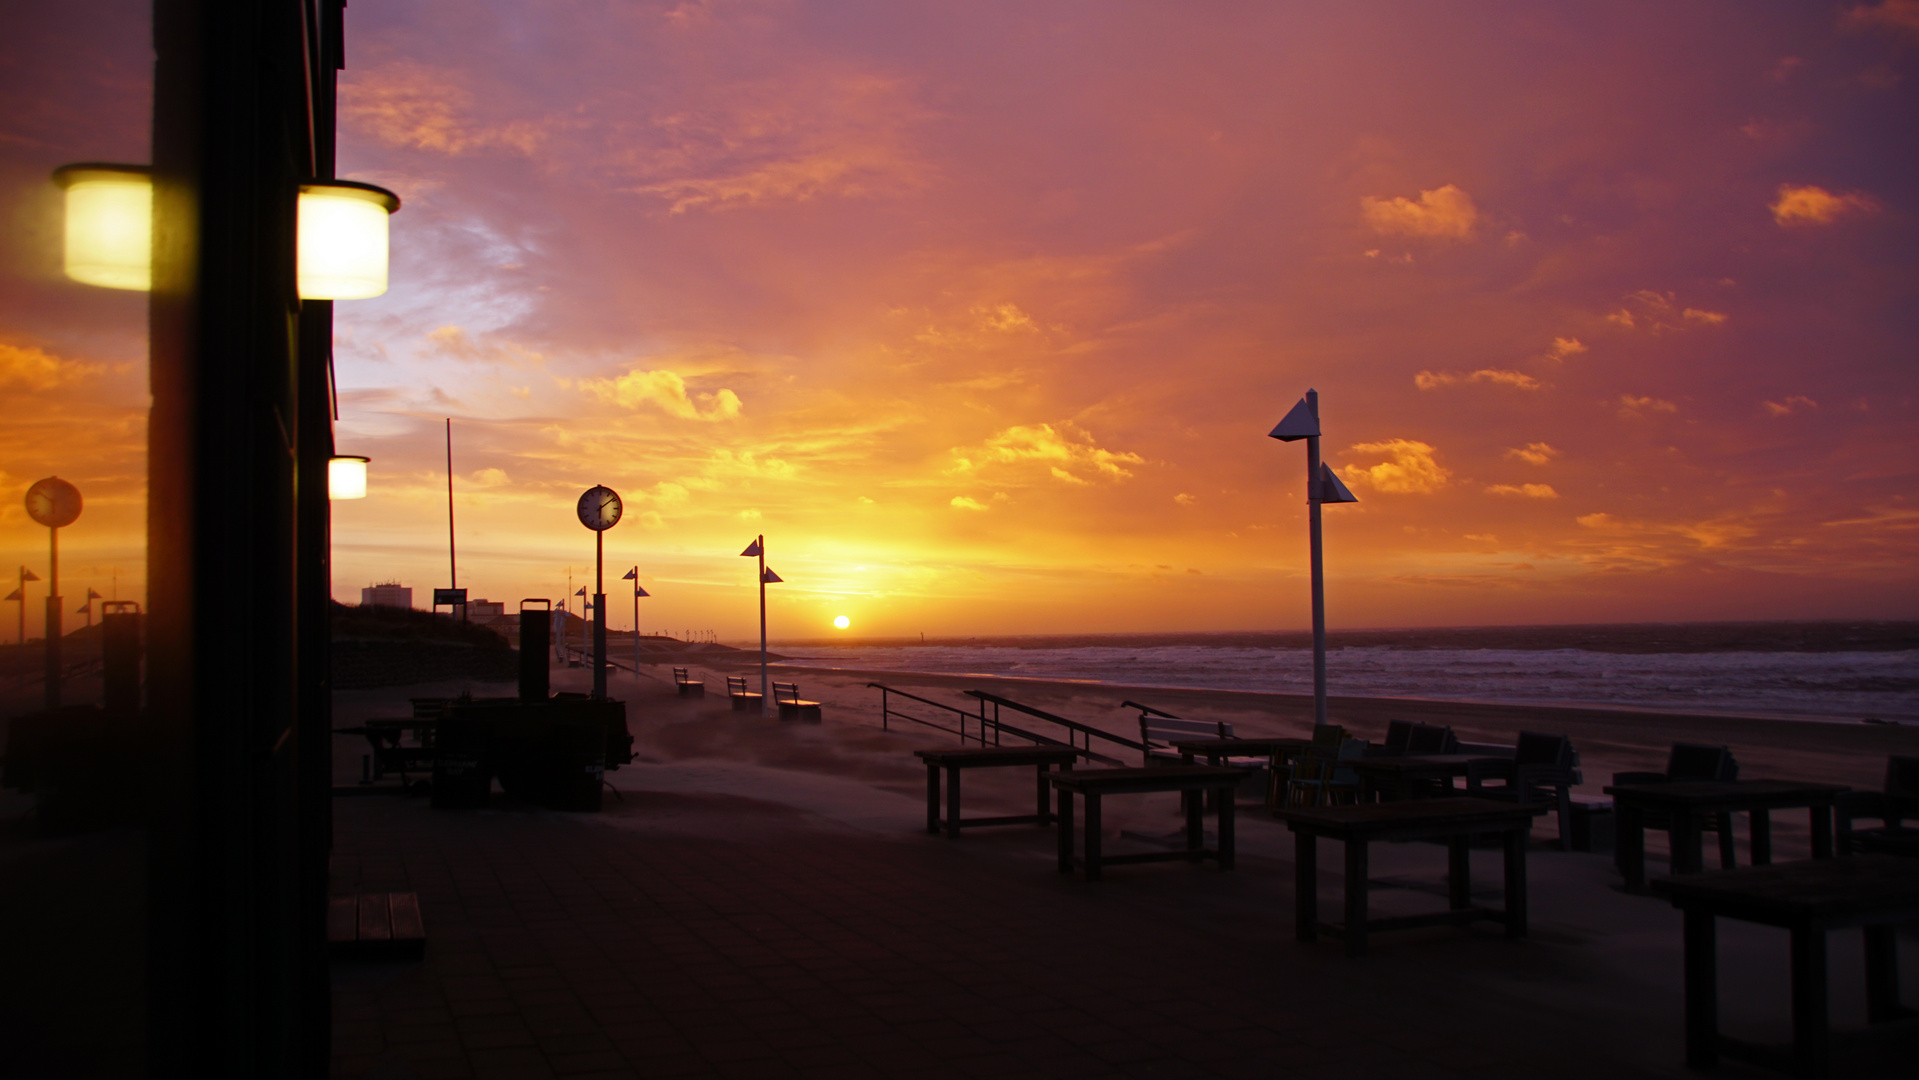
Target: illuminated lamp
x=109, y=226
x=346, y=477
x=343, y=239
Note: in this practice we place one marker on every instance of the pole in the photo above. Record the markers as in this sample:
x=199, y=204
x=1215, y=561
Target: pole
x=766, y=696
x=452, y=562
x=636, y=622
x=53, y=619
x=1318, y=567
x=599, y=615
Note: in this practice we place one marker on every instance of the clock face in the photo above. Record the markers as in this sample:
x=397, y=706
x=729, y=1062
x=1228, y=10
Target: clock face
x=600, y=508
x=53, y=502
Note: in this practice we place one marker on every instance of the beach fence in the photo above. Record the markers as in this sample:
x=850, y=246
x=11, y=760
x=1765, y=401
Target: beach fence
x=987, y=730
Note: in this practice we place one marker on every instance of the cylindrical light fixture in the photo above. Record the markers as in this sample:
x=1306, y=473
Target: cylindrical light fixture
x=343, y=239
x=346, y=477
x=109, y=225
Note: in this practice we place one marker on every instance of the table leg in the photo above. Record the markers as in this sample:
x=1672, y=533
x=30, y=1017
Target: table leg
x=1305, y=885
x=1822, y=832
x=1195, y=803
x=1356, y=906
x=1810, y=1021
x=1630, y=846
x=1516, y=882
x=1683, y=838
x=1882, y=974
x=952, y=803
x=1045, y=807
x=1459, y=871
x=1226, y=812
x=1065, y=831
x=932, y=798
x=1761, y=828
x=1702, y=990
x=1092, y=836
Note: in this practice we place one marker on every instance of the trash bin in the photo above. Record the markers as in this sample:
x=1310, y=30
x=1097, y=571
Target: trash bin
x=461, y=778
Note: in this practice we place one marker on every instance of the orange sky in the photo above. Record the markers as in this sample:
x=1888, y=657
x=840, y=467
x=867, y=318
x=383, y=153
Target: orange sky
x=981, y=311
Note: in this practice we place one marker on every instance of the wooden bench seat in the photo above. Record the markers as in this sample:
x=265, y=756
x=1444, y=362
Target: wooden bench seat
x=743, y=700
x=689, y=687
x=787, y=696
x=383, y=926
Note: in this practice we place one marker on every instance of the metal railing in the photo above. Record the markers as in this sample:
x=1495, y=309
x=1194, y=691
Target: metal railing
x=982, y=723
x=1073, y=727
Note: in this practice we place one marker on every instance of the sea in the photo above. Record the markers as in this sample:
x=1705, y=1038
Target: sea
x=1811, y=671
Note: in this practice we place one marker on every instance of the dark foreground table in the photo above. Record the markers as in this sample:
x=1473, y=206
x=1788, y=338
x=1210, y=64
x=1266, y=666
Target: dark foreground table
x=987, y=757
x=1094, y=784
x=1457, y=820
x=1686, y=804
x=1807, y=898
x=1409, y=776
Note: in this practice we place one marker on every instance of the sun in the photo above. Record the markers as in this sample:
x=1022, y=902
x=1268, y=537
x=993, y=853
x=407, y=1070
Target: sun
x=842, y=622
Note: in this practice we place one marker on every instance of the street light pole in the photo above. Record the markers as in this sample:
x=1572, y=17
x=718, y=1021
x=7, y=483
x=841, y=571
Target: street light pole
x=1322, y=486
x=758, y=548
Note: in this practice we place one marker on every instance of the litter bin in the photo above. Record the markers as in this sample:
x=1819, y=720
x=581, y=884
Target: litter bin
x=461, y=779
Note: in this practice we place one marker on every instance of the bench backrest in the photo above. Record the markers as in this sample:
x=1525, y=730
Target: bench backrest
x=679, y=675
x=1158, y=732
x=736, y=684
x=1537, y=749
x=1697, y=761
x=786, y=690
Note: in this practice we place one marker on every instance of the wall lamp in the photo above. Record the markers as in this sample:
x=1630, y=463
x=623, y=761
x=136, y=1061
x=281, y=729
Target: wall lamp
x=342, y=239
x=346, y=476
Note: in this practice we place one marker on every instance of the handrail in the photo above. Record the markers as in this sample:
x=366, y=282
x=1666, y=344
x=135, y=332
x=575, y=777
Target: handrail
x=1088, y=731
x=1147, y=710
x=999, y=726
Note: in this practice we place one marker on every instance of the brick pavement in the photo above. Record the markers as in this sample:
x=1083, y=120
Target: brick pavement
x=703, y=934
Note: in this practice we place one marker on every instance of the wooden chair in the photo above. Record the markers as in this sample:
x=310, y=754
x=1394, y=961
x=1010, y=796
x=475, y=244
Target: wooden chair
x=1397, y=732
x=786, y=695
x=743, y=700
x=1427, y=739
x=1692, y=762
x=1542, y=768
x=1322, y=781
x=689, y=687
x=1304, y=765
x=1890, y=807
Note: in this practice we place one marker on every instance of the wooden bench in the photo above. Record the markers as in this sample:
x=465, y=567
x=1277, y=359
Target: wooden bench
x=1094, y=784
x=787, y=696
x=1045, y=758
x=376, y=926
x=688, y=687
x=1876, y=892
x=743, y=700
x=1457, y=820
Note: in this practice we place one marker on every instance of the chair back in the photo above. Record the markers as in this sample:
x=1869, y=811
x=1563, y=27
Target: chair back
x=1697, y=761
x=1428, y=739
x=1902, y=778
x=1327, y=738
x=1397, y=732
x=1537, y=749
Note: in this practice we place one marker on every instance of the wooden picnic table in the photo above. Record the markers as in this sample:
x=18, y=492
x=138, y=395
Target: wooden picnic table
x=1216, y=751
x=1407, y=776
x=1876, y=892
x=988, y=757
x=1687, y=802
x=1095, y=784
x=1457, y=820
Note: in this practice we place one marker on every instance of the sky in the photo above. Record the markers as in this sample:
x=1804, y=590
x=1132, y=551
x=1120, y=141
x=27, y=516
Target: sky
x=980, y=312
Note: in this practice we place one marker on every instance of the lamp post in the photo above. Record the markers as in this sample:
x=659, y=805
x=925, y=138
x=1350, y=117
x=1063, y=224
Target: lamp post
x=633, y=576
x=599, y=510
x=56, y=504
x=767, y=577
x=1322, y=486
x=19, y=595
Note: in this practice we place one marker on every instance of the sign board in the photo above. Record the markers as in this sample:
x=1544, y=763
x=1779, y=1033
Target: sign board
x=449, y=597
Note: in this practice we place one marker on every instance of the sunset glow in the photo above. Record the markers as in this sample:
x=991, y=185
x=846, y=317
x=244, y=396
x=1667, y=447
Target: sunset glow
x=981, y=312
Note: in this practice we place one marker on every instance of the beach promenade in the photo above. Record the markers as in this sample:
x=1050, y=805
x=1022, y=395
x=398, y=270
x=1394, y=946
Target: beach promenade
x=761, y=901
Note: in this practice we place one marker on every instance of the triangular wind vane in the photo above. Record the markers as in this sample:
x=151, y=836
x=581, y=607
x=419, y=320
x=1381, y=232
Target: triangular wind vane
x=17, y=594
x=637, y=591
x=1331, y=490
x=83, y=609
x=1298, y=424
x=92, y=595
x=752, y=549
x=28, y=575
x=582, y=591
x=631, y=575
x=770, y=577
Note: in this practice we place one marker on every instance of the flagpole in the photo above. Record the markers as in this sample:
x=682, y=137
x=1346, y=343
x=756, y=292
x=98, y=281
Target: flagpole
x=766, y=697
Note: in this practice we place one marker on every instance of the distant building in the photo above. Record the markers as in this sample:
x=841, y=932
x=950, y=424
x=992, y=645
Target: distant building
x=387, y=594
x=477, y=609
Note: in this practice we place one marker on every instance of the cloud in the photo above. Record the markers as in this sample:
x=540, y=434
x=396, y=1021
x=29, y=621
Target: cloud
x=411, y=105
x=1790, y=405
x=455, y=342
x=1064, y=449
x=1433, y=380
x=1445, y=213
x=1698, y=315
x=1564, y=347
x=1631, y=407
x=1898, y=16
x=36, y=369
x=1184, y=499
x=1811, y=205
x=666, y=391
x=1409, y=468
x=1533, y=453
x=961, y=502
x=1530, y=491
x=1660, y=312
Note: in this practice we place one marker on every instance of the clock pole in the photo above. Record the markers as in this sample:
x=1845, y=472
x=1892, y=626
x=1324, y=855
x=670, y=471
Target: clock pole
x=53, y=617
x=599, y=616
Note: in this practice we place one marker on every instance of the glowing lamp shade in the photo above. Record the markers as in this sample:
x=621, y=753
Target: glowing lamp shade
x=109, y=226
x=346, y=477
x=343, y=240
